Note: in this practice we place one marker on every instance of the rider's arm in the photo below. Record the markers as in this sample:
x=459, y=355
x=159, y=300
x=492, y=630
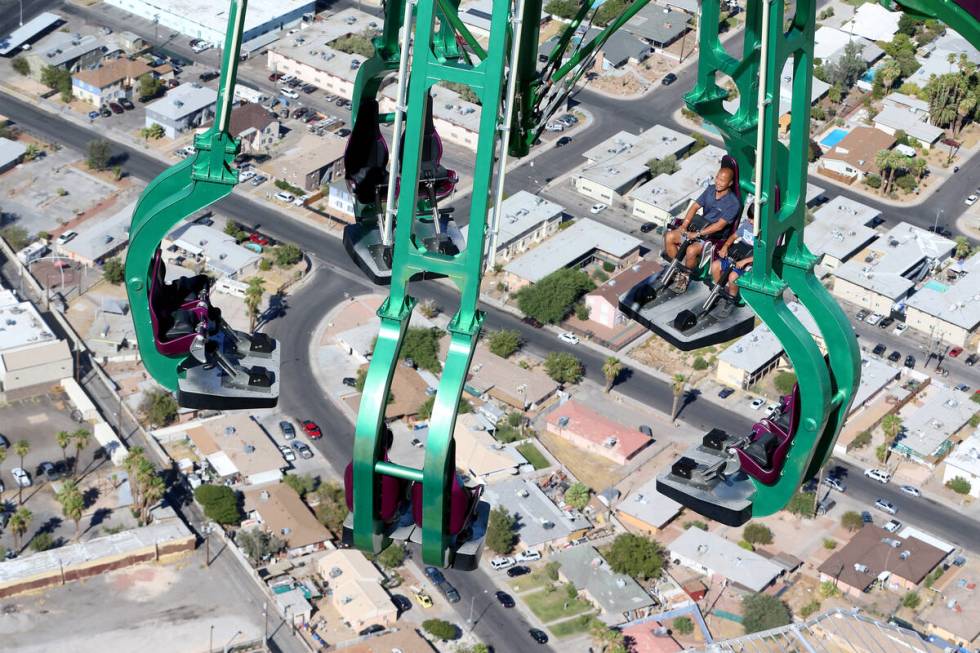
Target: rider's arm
x=694, y=208
x=742, y=264
x=723, y=251
x=714, y=227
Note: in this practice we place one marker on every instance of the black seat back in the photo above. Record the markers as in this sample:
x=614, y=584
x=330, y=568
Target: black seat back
x=366, y=155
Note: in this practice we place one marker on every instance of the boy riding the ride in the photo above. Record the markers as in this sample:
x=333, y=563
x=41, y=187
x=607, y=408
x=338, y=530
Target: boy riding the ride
x=735, y=255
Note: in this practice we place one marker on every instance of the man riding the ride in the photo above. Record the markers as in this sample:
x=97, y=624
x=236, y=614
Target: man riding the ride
x=719, y=206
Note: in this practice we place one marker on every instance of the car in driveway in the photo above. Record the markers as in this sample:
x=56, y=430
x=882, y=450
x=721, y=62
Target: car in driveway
x=50, y=472
x=349, y=381
x=312, y=429
x=569, y=338
x=287, y=429
x=910, y=490
x=725, y=393
x=910, y=362
x=892, y=525
x=126, y=104
x=519, y=570
x=538, y=635
x=598, y=208
x=895, y=356
x=21, y=477
x=866, y=517
x=259, y=180
x=402, y=604
x=116, y=108
x=283, y=196
x=505, y=599
x=886, y=506
x=879, y=349
x=303, y=449
x=757, y=403
x=287, y=453
x=668, y=79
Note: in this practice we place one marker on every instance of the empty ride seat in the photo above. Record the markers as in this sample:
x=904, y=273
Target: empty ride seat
x=462, y=503
x=430, y=165
x=391, y=491
x=762, y=448
x=366, y=155
x=714, y=439
x=684, y=468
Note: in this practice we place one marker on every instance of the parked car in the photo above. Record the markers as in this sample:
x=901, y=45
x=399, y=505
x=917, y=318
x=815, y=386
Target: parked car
x=312, y=430
x=539, y=635
x=434, y=575
x=555, y=126
x=866, y=517
x=598, y=208
x=971, y=360
x=370, y=630
x=569, y=338
x=970, y=200
x=290, y=93
x=350, y=381
x=668, y=79
x=910, y=361
x=647, y=227
x=65, y=237
x=450, y=592
x=528, y=556
x=519, y=570
x=874, y=318
x=879, y=349
x=834, y=483
x=422, y=597
x=275, y=77
x=757, y=403
x=861, y=315
x=259, y=180
x=530, y=321
x=49, y=471
x=4, y=442
x=126, y=104
x=892, y=525
x=302, y=449
x=501, y=562
x=287, y=429
x=283, y=196
x=343, y=133
x=880, y=475
x=208, y=75
x=21, y=477
x=201, y=47
x=563, y=141
x=308, y=88
x=895, y=356
x=330, y=98
x=886, y=506
x=505, y=599
x=725, y=393
x=287, y=453
x=955, y=351
x=910, y=490
x=245, y=175
x=962, y=387
x=645, y=430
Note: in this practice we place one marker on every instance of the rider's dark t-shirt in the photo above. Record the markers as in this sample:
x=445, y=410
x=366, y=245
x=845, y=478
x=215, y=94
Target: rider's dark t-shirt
x=713, y=209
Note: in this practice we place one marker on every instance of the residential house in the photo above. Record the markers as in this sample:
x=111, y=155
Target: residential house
x=875, y=555
x=650, y=637
x=309, y=58
x=479, y=454
x=935, y=58
x=233, y=445
x=955, y=614
x=255, y=126
x=712, y=555
x=340, y=201
x=645, y=510
x=853, y=158
x=491, y=376
x=219, y=251
x=615, y=165
x=525, y=221
x=538, y=520
x=280, y=511
x=603, y=302
x=937, y=413
x=873, y=22
x=892, y=119
x=618, y=597
x=100, y=237
x=964, y=463
x=188, y=106
x=314, y=162
x=666, y=197
x=886, y=273
x=620, y=48
x=582, y=243
x=831, y=43
x=11, y=154
x=658, y=25
x=948, y=312
x=595, y=433
x=839, y=231
x=110, y=82
x=908, y=103
x=32, y=358
x=70, y=51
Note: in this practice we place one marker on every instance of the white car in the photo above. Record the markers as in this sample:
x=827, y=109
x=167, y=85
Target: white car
x=194, y=481
x=201, y=47
x=287, y=453
x=245, y=175
x=900, y=328
x=285, y=79
x=598, y=208
x=527, y=556
x=65, y=237
x=874, y=319
x=911, y=490
x=570, y=338
x=757, y=403
x=880, y=475
x=502, y=562
x=892, y=525
x=971, y=200
x=21, y=477
x=290, y=93
x=555, y=127
x=885, y=506
x=300, y=201
x=283, y=196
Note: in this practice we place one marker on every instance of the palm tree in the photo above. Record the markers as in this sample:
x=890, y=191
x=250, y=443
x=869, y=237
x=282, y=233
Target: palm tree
x=253, y=299
x=19, y=522
x=964, y=110
x=22, y=448
x=918, y=167
x=72, y=503
x=891, y=425
x=152, y=492
x=604, y=637
x=882, y=163
x=677, y=388
x=63, y=438
x=82, y=438
x=611, y=369
x=132, y=463
x=3, y=455
x=888, y=73
x=146, y=476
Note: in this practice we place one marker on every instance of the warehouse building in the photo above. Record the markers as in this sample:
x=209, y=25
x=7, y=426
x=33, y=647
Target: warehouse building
x=948, y=312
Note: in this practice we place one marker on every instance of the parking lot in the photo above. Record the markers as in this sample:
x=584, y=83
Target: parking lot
x=315, y=466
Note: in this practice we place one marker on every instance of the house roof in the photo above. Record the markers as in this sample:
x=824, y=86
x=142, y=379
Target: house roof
x=586, y=423
x=478, y=452
x=10, y=151
x=658, y=24
x=902, y=100
x=957, y=303
x=644, y=639
x=100, y=234
x=612, y=289
x=234, y=443
x=911, y=123
x=726, y=558
x=186, y=99
x=939, y=412
x=615, y=593
x=966, y=456
x=959, y=610
x=311, y=153
x=489, y=371
x=284, y=514
x=520, y=214
x=570, y=245
x=59, y=48
x=830, y=44
x=247, y=116
x=33, y=355
x=911, y=560
x=23, y=325
x=839, y=230
x=28, y=31
x=533, y=511
x=673, y=192
x=757, y=348
x=112, y=72
x=873, y=22
x=646, y=504
x=875, y=375
x=860, y=146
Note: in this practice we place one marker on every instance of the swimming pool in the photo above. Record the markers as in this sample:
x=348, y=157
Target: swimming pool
x=833, y=138
x=938, y=286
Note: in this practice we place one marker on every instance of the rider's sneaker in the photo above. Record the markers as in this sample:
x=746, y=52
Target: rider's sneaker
x=680, y=282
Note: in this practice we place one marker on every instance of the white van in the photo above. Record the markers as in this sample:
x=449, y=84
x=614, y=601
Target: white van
x=528, y=556
x=880, y=475
x=502, y=562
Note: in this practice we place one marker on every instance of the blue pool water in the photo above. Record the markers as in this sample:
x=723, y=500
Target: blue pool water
x=869, y=75
x=932, y=284
x=833, y=138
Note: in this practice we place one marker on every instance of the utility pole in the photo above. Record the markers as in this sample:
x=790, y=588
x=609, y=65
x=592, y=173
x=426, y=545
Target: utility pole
x=207, y=545
x=265, y=628
x=211, y=640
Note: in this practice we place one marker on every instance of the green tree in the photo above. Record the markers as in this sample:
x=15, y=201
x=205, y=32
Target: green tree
x=287, y=255
x=582, y=310
x=636, y=556
x=58, y=79
x=852, y=521
x=19, y=522
x=149, y=86
x=159, y=407
x=677, y=389
x=784, y=382
x=562, y=8
x=911, y=600
x=604, y=638
x=612, y=367
x=114, y=271
x=422, y=346
x=153, y=132
x=392, y=557
x=42, y=542
x=302, y=484
x=500, y=531
x=902, y=50
x=889, y=72
x=82, y=438
x=963, y=247
x=72, y=504
x=700, y=142
x=683, y=625
x=551, y=300
x=220, y=503
x=695, y=523
x=563, y=367
x=257, y=544
x=235, y=230
x=21, y=66
x=861, y=440
x=699, y=364
x=882, y=451
x=331, y=507
x=439, y=628
x=848, y=67
x=465, y=92
x=959, y=485
x=577, y=495
x=665, y=166
x=802, y=504
x=505, y=342
x=16, y=237
x=425, y=410
x=253, y=300
x=63, y=438
x=763, y=612
x=99, y=154
x=755, y=533
x=21, y=449
x=810, y=609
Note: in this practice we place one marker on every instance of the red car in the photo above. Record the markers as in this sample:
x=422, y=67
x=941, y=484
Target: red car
x=275, y=77
x=312, y=430
x=259, y=239
x=955, y=351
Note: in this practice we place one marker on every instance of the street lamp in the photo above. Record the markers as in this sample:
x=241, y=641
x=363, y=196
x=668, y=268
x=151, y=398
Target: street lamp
x=21, y=13
x=225, y=649
x=939, y=213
